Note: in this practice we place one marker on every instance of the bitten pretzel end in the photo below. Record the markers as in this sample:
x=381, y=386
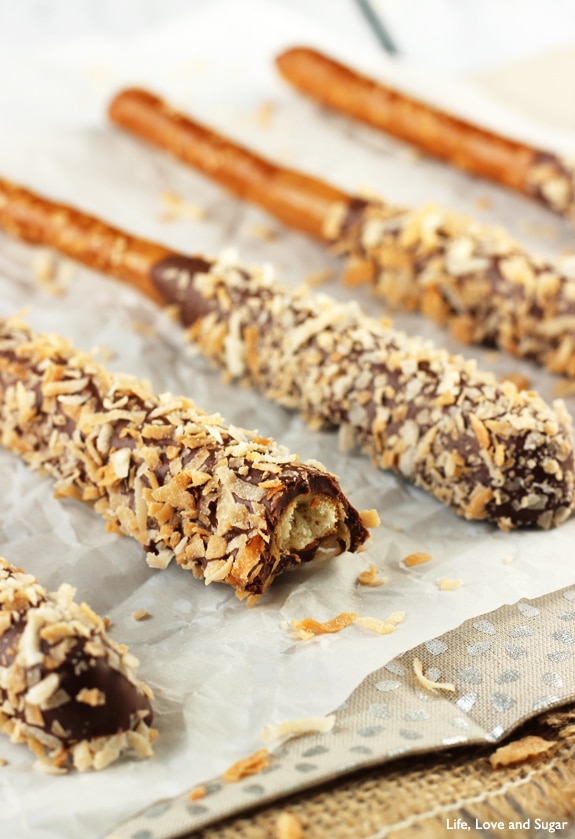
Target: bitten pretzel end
x=226, y=503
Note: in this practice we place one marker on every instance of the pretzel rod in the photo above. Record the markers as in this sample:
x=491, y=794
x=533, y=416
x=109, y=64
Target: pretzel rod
x=66, y=688
x=231, y=506
x=473, y=279
x=488, y=450
x=296, y=199
x=542, y=175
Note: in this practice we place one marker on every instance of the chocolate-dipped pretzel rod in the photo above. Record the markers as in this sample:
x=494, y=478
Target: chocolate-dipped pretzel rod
x=66, y=689
x=488, y=450
x=543, y=175
x=474, y=279
x=227, y=504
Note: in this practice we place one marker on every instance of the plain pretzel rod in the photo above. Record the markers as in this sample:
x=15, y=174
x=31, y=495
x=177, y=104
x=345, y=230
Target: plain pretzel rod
x=540, y=174
x=298, y=200
x=488, y=450
x=476, y=280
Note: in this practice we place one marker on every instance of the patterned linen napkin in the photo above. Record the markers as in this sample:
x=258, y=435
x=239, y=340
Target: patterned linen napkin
x=472, y=685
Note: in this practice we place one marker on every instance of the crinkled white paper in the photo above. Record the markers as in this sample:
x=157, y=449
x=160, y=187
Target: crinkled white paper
x=220, y=671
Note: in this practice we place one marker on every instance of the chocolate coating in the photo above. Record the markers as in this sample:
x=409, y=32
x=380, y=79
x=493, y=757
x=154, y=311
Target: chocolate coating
x=488, y=450
x=227, y=504
x=65, y=686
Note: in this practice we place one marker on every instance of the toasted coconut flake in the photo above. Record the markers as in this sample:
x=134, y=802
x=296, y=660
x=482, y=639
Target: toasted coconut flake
x=296, y=728
x=429, y=684
x=263, y=232
x=520, y=750
x=93, y=697
x=418, y=558
x=44, y=265
x=370, y=518
x=448, y=584
x=197, y=793
x=382, y=627
x=288, y=826
x=308, y=628
x=176, y=208
x=265, y=114
x=251, y=765
x=315, y=278
x=370, y=577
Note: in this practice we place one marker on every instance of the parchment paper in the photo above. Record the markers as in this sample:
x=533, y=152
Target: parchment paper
x=221, y=671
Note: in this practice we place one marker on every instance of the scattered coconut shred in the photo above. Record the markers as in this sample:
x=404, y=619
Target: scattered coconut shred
x=418, y=558
x=371, y=578
x=175, y=208
x=197, y=793
x=251, y=765
x=447, y=584
x=288, y=826
x=308, y=628
x=297, y=728
x=429, y=684
x=52, y=274
x=520, y=750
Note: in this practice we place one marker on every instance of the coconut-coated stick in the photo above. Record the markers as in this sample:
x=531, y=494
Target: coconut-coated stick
x=474, y=279
x=487, y=450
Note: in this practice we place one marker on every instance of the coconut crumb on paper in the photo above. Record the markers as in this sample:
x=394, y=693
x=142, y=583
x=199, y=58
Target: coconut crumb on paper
x=250, y=765
x=411, y=154
x=175, y=208
x=418, y=558
x=429, y=684
x=382, y=627
x=370, y=518
x=141, y=328
x=447, y=584
x=315, y=278
x=543, y=231
x=483, y=202
x=288, y=826
x=265, y=114
x=52, y=274
x=520, y=750
x=106, y=353
x=263, y=232
x=563, y=389
x=370, y=577
x=296, y=728
x=44, y=265
x=309, y=628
